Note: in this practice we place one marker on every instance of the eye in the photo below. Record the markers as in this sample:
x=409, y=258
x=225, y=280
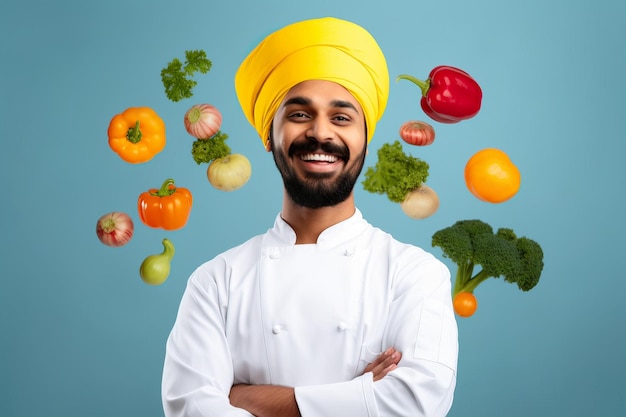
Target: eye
x=298, y=115
x=342, y=119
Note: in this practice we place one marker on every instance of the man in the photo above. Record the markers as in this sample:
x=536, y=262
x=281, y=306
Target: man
x=323, y=315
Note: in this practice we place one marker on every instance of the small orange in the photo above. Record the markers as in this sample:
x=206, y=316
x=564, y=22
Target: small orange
x=465, y=304
x=491, y=176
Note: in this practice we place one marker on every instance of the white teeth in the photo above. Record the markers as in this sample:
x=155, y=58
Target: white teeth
x=319, y=157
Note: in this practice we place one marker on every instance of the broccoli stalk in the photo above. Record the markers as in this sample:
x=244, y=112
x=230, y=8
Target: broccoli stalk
x=471, y=243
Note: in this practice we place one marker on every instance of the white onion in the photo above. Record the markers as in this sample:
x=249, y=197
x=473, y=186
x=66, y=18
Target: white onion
x=420, y=203
x=229, y=173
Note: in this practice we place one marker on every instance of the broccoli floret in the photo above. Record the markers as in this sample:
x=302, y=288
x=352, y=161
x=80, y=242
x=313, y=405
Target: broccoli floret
x=471, y=243
x=395, y=173
x=531, y=257
x=206, y=150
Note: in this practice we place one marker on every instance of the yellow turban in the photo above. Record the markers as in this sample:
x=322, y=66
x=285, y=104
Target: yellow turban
x=319, y=49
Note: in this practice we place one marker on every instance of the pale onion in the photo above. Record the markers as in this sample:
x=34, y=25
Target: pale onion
x=202, y=121
x=229, y=173
x=115, y=229
x=420, y=203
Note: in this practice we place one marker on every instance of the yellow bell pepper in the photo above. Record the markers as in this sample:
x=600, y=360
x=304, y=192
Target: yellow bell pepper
x=137, y=134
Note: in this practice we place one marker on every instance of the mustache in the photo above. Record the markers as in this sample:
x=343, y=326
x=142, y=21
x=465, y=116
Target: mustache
x=308, y=146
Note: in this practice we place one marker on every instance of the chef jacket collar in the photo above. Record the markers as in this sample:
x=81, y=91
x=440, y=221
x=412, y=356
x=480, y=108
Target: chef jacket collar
x=283, y=235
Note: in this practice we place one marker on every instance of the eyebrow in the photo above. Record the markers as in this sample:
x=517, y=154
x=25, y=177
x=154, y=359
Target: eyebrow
x=307, y=102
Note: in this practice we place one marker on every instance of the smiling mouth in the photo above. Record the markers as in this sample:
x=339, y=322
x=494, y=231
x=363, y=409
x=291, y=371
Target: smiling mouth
x=319, y=157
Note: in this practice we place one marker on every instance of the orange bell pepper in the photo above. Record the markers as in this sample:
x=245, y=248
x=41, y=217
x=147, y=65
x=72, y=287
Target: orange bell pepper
x=137, y=134
x=166, y=208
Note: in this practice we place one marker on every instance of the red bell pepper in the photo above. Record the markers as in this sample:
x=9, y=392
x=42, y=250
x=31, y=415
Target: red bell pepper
x=449, y=95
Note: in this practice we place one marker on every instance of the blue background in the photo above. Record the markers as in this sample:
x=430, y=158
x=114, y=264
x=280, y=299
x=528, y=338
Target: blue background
x=82, y=335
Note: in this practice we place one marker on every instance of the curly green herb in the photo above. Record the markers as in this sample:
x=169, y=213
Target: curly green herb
x=177, y=78
x=207, y=150
x=395, y=173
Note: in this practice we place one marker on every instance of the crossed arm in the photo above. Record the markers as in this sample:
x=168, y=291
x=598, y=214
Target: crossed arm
x=422, y=383
x=274, y=400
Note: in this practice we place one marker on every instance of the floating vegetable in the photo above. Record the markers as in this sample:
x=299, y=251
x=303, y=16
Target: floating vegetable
x=137, y=134
x=465, y=304
x=206, y=151
x=418, y=133
x=449, y=95
x=155, y=269
x=227, y=171
x=400, y=176
x=491, y=176
x=473, y=244
x=115, y=229
x=177, y=78
x=167, y=207
x=420, y=203
x=202, y=121
x=230, y=172
x=395, y=173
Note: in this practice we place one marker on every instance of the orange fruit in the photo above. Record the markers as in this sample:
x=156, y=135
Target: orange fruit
x=465, y=304
x=491, y=176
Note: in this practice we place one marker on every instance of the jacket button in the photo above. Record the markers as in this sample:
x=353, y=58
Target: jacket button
x=342, y=326
x=277, y=329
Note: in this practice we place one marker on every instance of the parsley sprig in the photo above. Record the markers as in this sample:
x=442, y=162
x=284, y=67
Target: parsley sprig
x=178, y=78
x=207, y=150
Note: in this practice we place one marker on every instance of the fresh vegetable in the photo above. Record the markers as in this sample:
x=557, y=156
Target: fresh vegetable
x=202, y=121
x=115, y=229
x=418, y=133
x=206, y=151
x=449, y=95
x=473, y=243
x=230, y=172
x=137, y=134
x=465, y=304
x=155, y=269
x=167, y=207
x=226, y=171
x=396, y=173
x=420, y=203
x=178, y=78
x=491, y=176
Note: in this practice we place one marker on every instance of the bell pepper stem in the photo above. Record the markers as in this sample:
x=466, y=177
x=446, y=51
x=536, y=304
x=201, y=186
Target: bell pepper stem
x=423, y=85
x=165, y=189
x=134, y=134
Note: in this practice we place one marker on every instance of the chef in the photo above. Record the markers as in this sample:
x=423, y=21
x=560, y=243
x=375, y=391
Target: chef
x=323, y=315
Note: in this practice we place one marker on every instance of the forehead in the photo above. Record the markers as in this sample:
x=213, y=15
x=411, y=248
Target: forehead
x=322, y=92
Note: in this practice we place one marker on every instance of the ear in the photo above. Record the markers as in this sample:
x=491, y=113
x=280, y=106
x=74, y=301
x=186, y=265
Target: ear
x=268, y=145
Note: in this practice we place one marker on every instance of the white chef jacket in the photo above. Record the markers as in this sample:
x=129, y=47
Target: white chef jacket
x=312, y=316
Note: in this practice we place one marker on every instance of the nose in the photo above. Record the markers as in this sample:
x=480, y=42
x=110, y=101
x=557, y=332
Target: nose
x=321, y=130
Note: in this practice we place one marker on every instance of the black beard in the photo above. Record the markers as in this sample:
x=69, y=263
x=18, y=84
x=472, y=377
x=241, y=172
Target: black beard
x=318, y=189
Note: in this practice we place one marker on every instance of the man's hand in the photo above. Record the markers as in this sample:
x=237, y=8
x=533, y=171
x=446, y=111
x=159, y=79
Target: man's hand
x=384, y=363
x=273, y=400
x=265, y=400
